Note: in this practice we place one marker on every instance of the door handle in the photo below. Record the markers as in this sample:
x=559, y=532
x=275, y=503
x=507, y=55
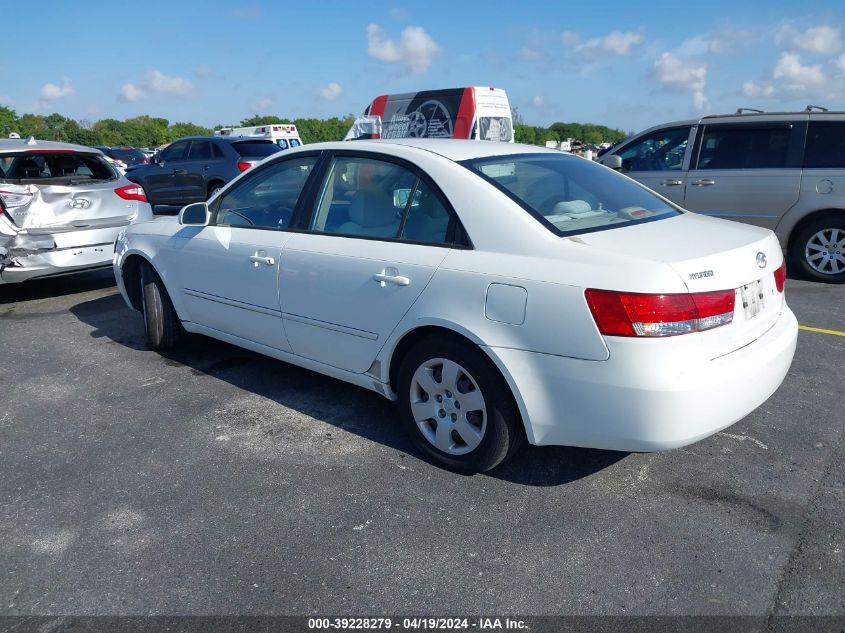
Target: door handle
x=669, y=182
x=262, y=259
x=704, y=182
x=390, y=276
x=180, y=172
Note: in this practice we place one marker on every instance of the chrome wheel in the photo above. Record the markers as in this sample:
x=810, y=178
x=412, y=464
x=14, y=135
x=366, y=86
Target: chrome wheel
x=825, y=251
x=448, y=406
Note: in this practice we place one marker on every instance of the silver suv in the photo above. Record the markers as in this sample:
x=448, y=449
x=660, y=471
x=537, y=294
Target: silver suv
x=783, y=171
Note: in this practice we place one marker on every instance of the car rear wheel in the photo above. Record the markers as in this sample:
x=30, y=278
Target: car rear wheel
x=162, y=327
x=820, y=250
x=457, y=407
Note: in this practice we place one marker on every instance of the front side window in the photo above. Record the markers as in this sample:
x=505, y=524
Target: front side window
x=825, y=145
x=568, y=194
x=175, y=151
x=659, y=151
x=744, y=147
x=267, y=199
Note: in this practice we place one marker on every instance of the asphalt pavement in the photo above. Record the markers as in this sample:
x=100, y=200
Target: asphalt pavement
x=212, y=480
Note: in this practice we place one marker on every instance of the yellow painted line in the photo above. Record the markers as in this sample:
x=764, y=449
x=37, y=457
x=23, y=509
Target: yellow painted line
x=820, y=330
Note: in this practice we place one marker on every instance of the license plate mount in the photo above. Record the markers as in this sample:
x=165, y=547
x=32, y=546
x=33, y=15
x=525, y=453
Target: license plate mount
x=752, y=299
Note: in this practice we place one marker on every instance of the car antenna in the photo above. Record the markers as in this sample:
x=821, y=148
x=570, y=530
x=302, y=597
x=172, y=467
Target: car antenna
x=31, y=141
x=812, y=108
x=744, y=110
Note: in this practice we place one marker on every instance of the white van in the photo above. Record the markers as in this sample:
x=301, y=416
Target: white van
x=480, y=113
x=285, y=135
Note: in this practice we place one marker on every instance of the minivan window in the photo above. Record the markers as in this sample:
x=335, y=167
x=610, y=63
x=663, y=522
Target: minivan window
x=825, y=144
x=744, y=147
x=568, y=194
x=659, y=151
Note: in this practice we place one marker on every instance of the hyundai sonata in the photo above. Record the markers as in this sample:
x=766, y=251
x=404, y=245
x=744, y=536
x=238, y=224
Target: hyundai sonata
x=499, y=292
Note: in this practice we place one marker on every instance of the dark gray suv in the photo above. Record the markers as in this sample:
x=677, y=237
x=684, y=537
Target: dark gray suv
x=194, y=168
x=784, y=171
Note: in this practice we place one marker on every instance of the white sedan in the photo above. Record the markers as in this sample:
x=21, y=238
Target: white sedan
x=499, y=292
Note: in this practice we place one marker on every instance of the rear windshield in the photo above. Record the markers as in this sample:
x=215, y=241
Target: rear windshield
x=568, y=194
x=126, y=152
x=256, y=148
x=54, y=167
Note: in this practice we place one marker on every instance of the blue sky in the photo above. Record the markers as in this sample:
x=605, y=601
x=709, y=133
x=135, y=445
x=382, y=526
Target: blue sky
x=625, y=64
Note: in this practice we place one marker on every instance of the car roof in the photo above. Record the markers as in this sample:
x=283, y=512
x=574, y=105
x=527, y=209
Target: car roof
x=453, y=149
x=224, y=139
x=23, y=145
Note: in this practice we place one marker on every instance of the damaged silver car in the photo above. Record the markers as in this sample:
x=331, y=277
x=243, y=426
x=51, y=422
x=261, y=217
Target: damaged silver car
x=61, y=209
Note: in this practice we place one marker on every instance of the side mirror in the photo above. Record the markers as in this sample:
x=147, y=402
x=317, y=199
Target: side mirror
x=194, y=215
x=614, y=161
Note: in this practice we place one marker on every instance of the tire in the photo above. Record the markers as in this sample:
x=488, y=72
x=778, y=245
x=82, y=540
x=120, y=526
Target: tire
x=472, y=440
x=819, y=250
x=213, y=188
x=162, y=327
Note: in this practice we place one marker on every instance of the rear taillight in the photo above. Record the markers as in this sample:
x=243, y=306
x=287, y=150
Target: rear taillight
x=132, y=192
x=634, y=314
x=780, y=276
x=243, y=165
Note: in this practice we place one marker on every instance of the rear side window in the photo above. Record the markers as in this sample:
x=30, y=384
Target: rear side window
x=55, y=167
x=200, y=150
x=253, y=149
x=825, y=144
x=744, y=147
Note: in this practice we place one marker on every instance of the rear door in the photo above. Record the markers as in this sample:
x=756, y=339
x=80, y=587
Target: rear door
x=660, y=160
x=748, y=171
x=199, y=164
x=378, y=232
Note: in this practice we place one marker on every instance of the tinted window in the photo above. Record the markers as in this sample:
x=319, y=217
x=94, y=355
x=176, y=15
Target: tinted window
x=362, y=196
x=174, y=151
x=744, y=147
x=62, y=166
x=825, y=144
x=570, y=194
x=200, y=150
x=218, y=153
x=659, y=151
x=256, y=148
x=124, y=153
x=267, y=199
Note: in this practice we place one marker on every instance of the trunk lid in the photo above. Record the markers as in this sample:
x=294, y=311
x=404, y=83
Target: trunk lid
x=711, y=254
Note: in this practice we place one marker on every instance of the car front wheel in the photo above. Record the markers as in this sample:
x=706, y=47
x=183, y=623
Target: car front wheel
x=820, y=250
x=456, y=405
x=161, y=323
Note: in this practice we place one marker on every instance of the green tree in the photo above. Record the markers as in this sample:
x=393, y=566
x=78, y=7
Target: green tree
x=178, y=130
x=8, y=121
x=261, y=119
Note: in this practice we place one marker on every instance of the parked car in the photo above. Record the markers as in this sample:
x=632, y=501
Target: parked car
x=61, y=208
x=782, y=171
x=128, y=156
x=499, y=292
x=193, y=169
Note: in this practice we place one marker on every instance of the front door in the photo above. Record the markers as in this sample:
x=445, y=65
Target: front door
x=659, y=160
x=160, y=181
x=228, y=271
x=376, y=237
x=748, y=172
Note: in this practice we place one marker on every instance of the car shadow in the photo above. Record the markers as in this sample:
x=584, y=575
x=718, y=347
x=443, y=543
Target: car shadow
x=326, y=399
x=34, y=289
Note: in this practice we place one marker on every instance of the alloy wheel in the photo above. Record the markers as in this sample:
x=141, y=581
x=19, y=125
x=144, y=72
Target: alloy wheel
x=825, y=251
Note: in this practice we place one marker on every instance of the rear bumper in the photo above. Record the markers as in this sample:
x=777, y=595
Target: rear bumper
x=58, y=262
x=637, y=402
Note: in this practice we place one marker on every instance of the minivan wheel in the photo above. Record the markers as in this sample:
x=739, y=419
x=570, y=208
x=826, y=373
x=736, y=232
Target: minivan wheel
x=819, y=250
x=162, y=327
x=457, y=407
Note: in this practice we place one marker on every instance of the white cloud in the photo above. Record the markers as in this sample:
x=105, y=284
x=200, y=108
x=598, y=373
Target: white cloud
x=823, y=39
x=797, y=76
x=529, y=54
x=51, y=92
x=721, y=42
x=331, y=92
x=415, y=49
x=679, y=74
x=261, y=106
x=5, y=99
x=538, y=101
x=157, y=81
x=840, y=63
x=570, y=39
x=699, y=101
x=757, y=89
x=131, y=93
